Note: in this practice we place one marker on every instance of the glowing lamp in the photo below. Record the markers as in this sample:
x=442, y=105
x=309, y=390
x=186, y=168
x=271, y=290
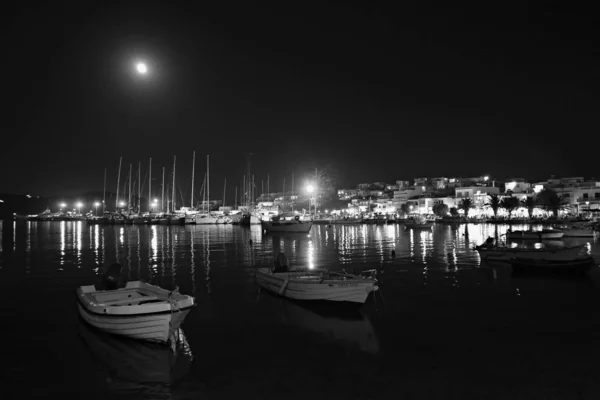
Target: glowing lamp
x=79, y=205
x=62, y=205
x=96, y=204
x=122, y=204
x=141, y=68
x=310, y=188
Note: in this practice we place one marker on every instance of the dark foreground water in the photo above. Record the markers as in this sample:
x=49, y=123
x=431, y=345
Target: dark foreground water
x=445, y=326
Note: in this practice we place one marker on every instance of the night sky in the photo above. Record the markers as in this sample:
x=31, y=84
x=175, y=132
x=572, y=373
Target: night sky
x=381, y=91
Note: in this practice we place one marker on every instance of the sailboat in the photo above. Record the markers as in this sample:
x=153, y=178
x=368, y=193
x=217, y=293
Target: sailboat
x=190, y=212
x=175, y=218
x=206, y=217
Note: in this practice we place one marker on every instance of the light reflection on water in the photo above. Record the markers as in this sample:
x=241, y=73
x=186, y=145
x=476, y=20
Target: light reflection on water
x=433, y=277
x=175, y=248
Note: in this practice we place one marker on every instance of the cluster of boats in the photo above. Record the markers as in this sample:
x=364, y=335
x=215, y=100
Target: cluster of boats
x=196, y=218
x=150, y=313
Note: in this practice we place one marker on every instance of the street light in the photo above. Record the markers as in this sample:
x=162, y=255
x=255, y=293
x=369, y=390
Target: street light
x=79, y=205
x=141, y=68
x=96, y=204
x=62, y=205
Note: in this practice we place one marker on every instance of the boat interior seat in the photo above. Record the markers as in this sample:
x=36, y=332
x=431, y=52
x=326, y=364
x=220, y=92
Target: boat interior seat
x=132, y=300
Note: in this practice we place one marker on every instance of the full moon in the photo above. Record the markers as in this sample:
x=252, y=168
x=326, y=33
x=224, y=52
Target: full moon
x=141, y=68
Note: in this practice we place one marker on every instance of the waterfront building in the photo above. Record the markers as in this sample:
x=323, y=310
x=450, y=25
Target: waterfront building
x=479, y=194
x=517, y=185
x=347, y=194
x=384, y=206
x=403, y=195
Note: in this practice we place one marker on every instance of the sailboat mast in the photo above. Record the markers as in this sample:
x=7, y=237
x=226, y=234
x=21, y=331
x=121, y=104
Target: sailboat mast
x=118, y=183
x=316, y=190
x=224, y=186
x=162, y=204
x=193, y=169
x=104, y=194
x=204, y=194
x=173, y=187
x=150, y=186
x=207, y=182
x=292, y=192
x=129, y=198
x=139, y=202
x=283, y=197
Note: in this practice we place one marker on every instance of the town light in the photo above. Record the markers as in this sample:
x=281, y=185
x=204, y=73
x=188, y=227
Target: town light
x=96, y=204
x=141, y=68
x=485, y=178
x=310, y=188
x=62, y=205
x=122, y=204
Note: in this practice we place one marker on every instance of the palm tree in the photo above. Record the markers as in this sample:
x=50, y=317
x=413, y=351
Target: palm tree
x=552, y=202
x=440, y=209
x=494, y=203
x=466, y=205
x=529, y=203
x=509, y=203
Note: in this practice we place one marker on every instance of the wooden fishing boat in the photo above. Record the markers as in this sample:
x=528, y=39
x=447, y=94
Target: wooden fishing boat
x=549, y=254
x=139, y=311
x=544, y=234
x=301, y=284
x=289, y=225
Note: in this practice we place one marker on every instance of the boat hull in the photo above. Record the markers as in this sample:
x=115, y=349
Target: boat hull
x=287, y=226
x=427, y=225
x=531, y=235
x=297, y=288
x=154, y=328
x=579, y=232
x=138, y=311
x=503, y=253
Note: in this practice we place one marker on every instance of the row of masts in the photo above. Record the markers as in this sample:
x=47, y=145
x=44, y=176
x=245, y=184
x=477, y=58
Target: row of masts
x=247, y=198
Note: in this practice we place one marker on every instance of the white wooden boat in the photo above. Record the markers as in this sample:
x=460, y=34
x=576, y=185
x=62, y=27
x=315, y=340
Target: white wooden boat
x=544, y=234
x=139, y=311
x=508, y=253
x=294, y=225
x=317, y=285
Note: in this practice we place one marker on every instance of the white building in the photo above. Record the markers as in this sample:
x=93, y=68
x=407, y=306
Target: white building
x=479, y=194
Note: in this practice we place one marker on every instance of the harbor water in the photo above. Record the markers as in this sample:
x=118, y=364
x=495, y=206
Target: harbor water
x=444, y=324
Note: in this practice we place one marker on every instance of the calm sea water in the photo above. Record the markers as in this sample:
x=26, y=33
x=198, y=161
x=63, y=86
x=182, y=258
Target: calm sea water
x=443, y=326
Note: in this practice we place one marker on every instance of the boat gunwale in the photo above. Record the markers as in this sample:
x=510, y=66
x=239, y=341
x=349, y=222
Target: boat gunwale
x=136, y=315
